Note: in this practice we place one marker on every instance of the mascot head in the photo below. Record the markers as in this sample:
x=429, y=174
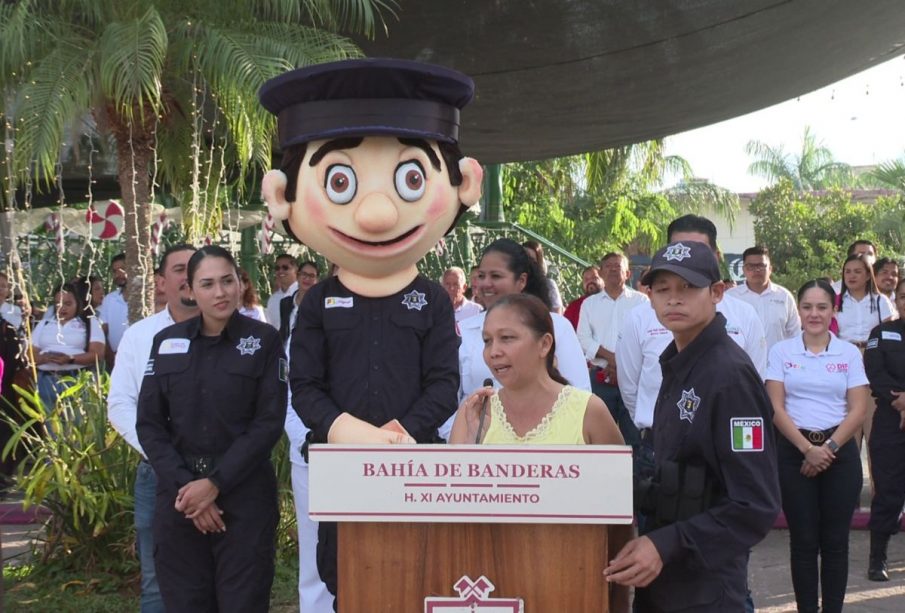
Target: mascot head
x=372, y=176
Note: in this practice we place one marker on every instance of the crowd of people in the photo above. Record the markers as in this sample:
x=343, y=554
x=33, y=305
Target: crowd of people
x=776, y=393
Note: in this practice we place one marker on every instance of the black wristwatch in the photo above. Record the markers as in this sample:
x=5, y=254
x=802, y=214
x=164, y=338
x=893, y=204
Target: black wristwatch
x=834, y=447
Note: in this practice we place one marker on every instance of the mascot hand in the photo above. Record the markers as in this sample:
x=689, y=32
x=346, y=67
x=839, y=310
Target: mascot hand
x=347, y=429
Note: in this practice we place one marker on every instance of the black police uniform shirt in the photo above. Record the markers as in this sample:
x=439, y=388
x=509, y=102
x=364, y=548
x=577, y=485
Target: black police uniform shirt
x=222, y=397
x=378, y=359
x=884, y=361
x=713, y=410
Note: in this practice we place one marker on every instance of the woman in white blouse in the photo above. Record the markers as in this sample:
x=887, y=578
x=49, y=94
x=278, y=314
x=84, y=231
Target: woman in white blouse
x=64, y=343
x=819, y=392
x=506, y=269
x=250, y=303
x=860, y=306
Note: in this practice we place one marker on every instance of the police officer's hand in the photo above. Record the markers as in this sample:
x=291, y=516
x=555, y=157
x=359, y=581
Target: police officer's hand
x=636, y=565
x=898, y=401
x=196, y=496
x=210, y=520
x=816, y=460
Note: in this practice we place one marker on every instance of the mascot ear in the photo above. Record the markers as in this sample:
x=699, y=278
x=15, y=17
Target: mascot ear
x=273, y=192
x=472, y=175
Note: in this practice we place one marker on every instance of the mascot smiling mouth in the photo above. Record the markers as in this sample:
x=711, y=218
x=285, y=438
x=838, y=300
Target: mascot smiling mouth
x=385, y=243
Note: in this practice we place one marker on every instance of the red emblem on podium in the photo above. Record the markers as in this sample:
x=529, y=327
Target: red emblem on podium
x=473, y=598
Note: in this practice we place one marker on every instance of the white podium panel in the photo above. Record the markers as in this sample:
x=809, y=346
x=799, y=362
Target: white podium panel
x=557, y=484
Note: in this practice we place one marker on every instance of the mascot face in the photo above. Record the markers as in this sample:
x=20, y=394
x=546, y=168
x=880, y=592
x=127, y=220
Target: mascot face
x=373, y=205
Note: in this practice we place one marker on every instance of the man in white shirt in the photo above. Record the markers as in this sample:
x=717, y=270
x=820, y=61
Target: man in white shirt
x=114, y=310
x=314, y=597
x=643, y=338
x=453, y=282
x=599, y=322
x=122, y=403
x=773, y=303
x=287, y=269
x=886, y=271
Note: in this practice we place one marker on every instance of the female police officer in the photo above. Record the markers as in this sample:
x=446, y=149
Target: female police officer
x=211, y=408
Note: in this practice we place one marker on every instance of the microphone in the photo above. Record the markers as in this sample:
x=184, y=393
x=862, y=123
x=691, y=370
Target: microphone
x=477, y=439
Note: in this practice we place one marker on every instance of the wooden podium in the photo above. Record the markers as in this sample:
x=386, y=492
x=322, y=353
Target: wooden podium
x=396, y=549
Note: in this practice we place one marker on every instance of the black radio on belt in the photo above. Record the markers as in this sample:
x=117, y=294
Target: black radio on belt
x=676, y=492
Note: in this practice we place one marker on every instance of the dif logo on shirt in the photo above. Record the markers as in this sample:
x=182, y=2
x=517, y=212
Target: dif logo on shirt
x=747, y=434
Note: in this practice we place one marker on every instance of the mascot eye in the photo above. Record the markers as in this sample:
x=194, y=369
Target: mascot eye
x=340, y=184
x=410, y=181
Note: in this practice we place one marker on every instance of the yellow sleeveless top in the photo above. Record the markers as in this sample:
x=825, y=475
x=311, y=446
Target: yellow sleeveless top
x=563, y=425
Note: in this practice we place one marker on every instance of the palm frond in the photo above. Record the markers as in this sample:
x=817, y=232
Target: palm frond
x=890, y=174
x=364, y=16
x=131, y=63
x=58, y=92
x=19, y=29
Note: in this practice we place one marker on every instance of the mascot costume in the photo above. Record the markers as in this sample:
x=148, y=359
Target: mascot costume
x=371, y=178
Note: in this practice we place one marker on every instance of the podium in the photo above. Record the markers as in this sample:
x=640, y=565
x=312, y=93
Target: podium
x=444, y=529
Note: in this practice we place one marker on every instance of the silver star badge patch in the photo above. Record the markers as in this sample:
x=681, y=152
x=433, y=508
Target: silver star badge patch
x=414, y=300
x=249, y=345
x=677, y=253
x=688, y=405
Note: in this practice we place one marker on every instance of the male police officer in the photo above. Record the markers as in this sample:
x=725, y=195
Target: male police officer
x=717, y=492
x=371, y=178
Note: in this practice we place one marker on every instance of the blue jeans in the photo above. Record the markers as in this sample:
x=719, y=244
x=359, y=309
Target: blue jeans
x=145, y=492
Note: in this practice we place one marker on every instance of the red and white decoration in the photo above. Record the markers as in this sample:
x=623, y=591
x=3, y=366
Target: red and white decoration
x=157, y=228
x=106, y=220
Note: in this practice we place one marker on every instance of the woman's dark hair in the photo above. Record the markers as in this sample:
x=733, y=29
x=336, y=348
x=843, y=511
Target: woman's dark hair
x=538, y=250
x=250, y=296
x=82, y=291
x=536, y=315
x=819, y=284
x=83, y=312
x=520, y=263
x=871, y=281
x=213, y=251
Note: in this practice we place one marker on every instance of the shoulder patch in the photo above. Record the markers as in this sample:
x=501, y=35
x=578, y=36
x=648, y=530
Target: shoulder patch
x=874, y=342
x=747, y=434
x=284, y=370
x=149, y=367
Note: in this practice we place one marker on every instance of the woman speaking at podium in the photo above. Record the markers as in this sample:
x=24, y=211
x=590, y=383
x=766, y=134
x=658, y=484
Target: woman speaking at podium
x=536, y=405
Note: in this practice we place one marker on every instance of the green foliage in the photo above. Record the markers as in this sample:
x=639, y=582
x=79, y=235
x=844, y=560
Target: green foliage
x=607, y=200
x=76, y=466
x=83, y=472
x=808, y=234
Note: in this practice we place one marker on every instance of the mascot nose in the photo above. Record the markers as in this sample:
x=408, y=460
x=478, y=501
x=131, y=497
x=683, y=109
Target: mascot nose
x=376, y=213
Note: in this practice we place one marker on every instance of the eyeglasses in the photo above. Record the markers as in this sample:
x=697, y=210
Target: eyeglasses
x=755, y=267
x=285, y=267
x=308, y=275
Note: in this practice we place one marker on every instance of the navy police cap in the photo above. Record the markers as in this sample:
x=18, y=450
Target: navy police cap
x=367, y=97
x=691, y=260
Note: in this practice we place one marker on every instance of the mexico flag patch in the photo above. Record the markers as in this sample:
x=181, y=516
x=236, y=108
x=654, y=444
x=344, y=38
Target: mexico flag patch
x=747, y=434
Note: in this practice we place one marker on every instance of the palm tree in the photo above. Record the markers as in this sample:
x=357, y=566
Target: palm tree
x=890, y=174
x=813, y=168
x=173, y=82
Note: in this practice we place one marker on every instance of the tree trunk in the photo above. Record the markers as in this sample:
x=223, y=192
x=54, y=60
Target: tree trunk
x=134, y=152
